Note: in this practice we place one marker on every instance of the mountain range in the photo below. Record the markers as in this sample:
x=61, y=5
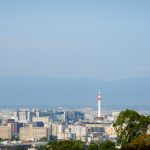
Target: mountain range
x=73, y=92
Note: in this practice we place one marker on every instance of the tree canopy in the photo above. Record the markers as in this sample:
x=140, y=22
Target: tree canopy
x=65, y=145
x=141, y=143
x=129, y=125
x=107, y=145
x=78, y=145
x=93, y=146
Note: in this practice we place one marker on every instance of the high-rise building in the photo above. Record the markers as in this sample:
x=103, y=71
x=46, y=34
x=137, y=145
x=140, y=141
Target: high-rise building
x=5, y=132
x=37, y=113
x=58, y=116
x=73, y=116
x=32, y=133
x=23, y=115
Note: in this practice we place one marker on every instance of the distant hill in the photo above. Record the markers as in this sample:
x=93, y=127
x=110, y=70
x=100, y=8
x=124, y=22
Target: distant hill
x=69, y=92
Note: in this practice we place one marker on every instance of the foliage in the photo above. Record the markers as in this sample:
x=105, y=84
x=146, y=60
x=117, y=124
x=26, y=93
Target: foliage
x=16, y=138
x=107, y=145
x=52, y=138
x=141, y=143
x=43, y=139
x=93, y=146
x=20, y=148
x=129, y=125
x=78, y=145
x=65, y=145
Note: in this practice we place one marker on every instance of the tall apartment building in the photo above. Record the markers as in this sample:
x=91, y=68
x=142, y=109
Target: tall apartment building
x=60, y=131
x=32, y=133
x=23, y=115
x=73, y=116
x=5, y=132
x=79, y=130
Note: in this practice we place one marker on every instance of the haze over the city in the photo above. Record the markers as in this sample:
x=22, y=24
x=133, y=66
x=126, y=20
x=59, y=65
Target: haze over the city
x=82, y=45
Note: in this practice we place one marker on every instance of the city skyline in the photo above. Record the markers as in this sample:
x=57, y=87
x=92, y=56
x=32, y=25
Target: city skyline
x=74, y=74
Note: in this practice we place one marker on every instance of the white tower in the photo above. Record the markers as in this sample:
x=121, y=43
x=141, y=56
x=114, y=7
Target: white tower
x=99, y=104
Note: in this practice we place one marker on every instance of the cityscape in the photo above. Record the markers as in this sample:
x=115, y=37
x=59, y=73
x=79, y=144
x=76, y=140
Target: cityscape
x=32, y=128
x=34, y=125
x=74, y=75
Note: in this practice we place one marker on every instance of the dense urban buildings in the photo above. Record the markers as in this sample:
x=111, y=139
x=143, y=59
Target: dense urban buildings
x=35, y=125
x=63, y=124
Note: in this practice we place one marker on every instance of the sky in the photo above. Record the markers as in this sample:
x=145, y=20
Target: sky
x=100, y=39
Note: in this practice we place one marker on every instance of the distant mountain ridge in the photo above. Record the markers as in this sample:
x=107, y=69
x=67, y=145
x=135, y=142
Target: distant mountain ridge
x=81, y=91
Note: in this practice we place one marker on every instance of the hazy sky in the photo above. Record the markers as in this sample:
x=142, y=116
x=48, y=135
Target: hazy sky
x=101, y=39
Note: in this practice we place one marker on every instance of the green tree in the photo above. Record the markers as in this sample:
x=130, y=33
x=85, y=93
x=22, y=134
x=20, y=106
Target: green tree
x=107, y=145
x=129, y=125
x=77, y=145
x=43, y=139
x=93, y=146
x=15, y=138
x=64, y=145
x=141, y=143
x=1, y=139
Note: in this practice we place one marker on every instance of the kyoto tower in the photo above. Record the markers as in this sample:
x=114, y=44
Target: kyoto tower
x=99, y=105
